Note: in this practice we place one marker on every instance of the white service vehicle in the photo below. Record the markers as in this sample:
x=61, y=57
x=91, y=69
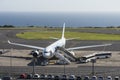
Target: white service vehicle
x=96, y=55
x=102, y=55
x=87, y=58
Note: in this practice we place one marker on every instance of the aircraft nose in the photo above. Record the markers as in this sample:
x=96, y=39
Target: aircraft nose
x=47, y=55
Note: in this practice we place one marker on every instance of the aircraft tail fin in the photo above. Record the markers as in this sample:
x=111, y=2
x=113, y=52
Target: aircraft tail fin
x=63, y=30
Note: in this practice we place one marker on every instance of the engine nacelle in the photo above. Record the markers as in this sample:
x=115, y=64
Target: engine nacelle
x=35, y=53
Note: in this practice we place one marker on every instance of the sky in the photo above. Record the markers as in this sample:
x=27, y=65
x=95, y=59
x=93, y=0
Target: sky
x=59, y=5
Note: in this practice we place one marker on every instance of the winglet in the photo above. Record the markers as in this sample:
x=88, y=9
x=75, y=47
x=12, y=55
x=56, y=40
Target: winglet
x=107, y=44
x=9, y=42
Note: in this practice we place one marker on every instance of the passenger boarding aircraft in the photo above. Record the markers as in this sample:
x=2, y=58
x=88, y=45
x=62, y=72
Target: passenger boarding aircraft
x=54, y=50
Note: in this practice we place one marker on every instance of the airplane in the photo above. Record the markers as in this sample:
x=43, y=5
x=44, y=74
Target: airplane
x=55, y=49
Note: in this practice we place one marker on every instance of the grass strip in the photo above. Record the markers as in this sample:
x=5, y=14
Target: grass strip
x=78, y=35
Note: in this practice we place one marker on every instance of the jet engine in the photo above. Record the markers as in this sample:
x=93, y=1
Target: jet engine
x=35, y=53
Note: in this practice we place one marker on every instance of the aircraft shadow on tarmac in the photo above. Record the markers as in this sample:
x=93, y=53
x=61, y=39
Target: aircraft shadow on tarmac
x=19, y=57
x=26, y=58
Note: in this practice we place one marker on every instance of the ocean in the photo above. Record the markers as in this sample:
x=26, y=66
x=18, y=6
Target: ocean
x=83, y=19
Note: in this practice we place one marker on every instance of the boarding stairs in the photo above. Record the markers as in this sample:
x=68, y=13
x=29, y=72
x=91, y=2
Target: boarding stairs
x=62, y=59
x=67, y=54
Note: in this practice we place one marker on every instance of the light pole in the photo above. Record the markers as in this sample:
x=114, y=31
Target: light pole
x=93, y=66
x=33, y=72
x=64, y=67
x=10, y=74
x=64, y=64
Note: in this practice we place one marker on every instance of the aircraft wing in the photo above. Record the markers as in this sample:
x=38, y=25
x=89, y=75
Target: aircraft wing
x=54, y=38
x=29, y=46
x=83, y=47
x=73, y=38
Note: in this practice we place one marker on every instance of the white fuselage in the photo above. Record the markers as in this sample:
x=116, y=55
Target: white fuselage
x=50, y=50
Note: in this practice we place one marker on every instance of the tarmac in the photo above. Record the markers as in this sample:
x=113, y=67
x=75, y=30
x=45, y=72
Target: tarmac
x=22, y=58
x=17, y=59
x=16, y=62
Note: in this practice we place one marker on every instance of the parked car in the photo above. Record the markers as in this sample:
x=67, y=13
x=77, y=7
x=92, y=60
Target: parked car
x=109, y=78
x=29, y=76
x=7, y=78
x=72, y=77
x=100, y=78
x=23, y=76
x=56, y=77
x=36, y=76
x=93, y=78
x=116, y=78
x=64, y=77
x=78, y=78
x=86, y=78
x=43, y=76
x=50, y=77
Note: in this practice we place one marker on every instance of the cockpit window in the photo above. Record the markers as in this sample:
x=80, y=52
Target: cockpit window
x=45, y=51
